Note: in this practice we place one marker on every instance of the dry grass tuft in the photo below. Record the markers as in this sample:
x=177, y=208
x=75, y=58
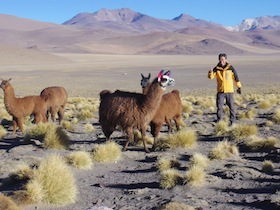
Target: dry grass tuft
x=56, y=138
x=256, y=143
x=21, y=198
x=223, y=150
x=53, y=182
x=187, y=107
x=69, y=126
x=268, y=166
x=195, y=176
x=89, y=128
x=276, y=116
x=22, y=172
x=252, y=113
x=221, y=128
x=37, y=131
x=80, y=160
x=183, y=138
x=84, y=114
x=199, y=160
x=106, y=153
x=176, y=206
x=264, y=104
x=3, y=132
x=165, y=163
x=7, y=203
x=170, y=178
x=241, y=131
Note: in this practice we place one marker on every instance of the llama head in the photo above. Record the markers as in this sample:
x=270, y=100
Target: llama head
x=165, y=80
x=5, y=83
x=145, y=80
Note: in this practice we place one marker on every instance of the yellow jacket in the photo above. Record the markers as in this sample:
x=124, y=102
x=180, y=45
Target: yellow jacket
x=226, y=76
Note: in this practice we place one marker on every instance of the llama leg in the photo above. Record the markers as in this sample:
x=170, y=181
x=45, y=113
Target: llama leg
x=14, y=126
x=177, y=122
x=157, y=130
x=53, y=114
x=169, y=126
x=20, y=124
x=143, y=132
x=60, y=115
x=129, y=132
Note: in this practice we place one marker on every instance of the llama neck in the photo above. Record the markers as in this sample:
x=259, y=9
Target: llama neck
x=153, y=97
x=9, y=98
x=145, y=89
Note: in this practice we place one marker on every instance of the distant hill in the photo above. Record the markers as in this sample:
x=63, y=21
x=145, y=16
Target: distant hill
x=134, y=21
x=124, y=31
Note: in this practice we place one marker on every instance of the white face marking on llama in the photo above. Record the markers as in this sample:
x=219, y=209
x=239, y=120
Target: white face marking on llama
x=165, y=80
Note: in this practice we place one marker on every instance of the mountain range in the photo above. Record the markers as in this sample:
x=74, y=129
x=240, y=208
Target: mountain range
x=124, y=31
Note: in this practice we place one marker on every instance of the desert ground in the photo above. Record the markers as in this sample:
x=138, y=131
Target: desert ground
x=133, y=182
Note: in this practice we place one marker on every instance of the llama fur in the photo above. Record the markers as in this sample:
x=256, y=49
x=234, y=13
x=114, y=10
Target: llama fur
x=170, y=108
x=131, y=110
x=57, y=99
x=19, y=108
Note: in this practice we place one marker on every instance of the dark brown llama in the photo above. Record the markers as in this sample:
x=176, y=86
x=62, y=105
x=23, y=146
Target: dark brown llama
x=22, y=107
x=57, y=99
x=169, y=109
x=132, y=110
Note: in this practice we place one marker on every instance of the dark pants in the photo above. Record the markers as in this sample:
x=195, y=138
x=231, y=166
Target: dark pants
x=220, y=103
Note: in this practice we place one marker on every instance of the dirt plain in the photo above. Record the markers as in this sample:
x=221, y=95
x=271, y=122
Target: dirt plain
x=133, y=182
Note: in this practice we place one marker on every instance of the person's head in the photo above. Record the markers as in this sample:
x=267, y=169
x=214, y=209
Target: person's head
x=223, y=59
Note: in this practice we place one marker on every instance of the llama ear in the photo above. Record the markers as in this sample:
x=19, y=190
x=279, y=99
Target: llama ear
x=160, y=74
x=142, y=76
x=10, y=79
x=168, y=73
x=149, y=76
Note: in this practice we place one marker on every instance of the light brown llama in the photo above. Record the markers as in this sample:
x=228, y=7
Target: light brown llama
x=169, y=109
x=22, y=107
x=57, y=99
x=132, y=110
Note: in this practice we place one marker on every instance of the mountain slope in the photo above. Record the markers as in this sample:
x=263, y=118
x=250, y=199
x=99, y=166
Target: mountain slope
x=124, y=31
x=264, y=23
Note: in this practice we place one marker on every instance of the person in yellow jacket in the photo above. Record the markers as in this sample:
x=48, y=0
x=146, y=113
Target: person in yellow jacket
x=226, y=76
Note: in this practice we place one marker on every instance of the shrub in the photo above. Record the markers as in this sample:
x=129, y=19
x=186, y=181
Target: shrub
x=223, y=150
x=89, y=127
x=80, y=160
x=195, y=176
x=199, y=160
x=268, y=166
x=56, y=138
x=241, y=131
x=53, y=182
x=276, y=116
x=170, y=178
x=3, y=132
x=256, y=143
x=7, y=203
x=165, y=163
x=183, y=138
x=221, y=128
x=108, y=152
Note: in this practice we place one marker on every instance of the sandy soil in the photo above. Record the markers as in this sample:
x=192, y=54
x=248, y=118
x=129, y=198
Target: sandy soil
x=133, y=182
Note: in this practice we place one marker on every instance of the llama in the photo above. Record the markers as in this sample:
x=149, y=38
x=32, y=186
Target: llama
x=169, y=109
x=131, y=110
x=22, y=107
x=57, y=99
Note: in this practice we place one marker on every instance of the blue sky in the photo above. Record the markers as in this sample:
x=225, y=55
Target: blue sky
x=225, y=12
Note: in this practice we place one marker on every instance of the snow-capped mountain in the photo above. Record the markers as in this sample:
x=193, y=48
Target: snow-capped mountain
x=264, y=22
